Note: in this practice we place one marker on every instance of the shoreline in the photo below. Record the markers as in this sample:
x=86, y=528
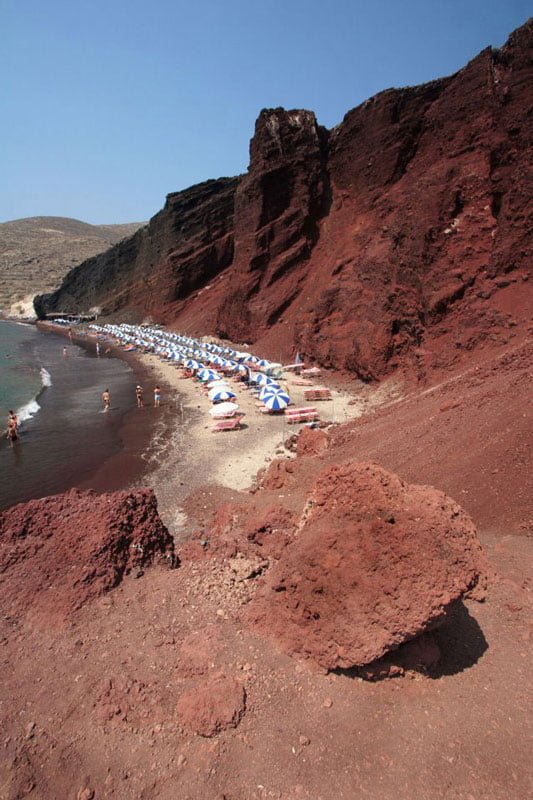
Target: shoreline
x=176, y=452
x=230, y=460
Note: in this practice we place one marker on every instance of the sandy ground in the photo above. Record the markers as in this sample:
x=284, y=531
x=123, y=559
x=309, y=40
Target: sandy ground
x=89, y=707
x=193, y=455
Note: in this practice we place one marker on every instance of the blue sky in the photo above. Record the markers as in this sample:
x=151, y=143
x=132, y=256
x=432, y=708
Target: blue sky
x=108, y=106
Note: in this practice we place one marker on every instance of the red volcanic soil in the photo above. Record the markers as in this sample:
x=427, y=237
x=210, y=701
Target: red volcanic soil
x=160, y=689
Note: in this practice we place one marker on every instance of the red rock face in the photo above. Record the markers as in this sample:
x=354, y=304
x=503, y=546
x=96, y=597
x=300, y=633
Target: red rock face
x=59, y=552
x=401, y=238
x=375, y=563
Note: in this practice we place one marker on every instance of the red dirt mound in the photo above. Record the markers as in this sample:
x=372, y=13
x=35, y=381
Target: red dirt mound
x=61, y=551
x=215, y=705
x=376, y=563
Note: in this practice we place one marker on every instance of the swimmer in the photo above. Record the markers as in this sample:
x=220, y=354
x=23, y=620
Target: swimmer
x=139, y=394
x=106, y=399
x=65, y=351
x=157, y=397
x=12, y=428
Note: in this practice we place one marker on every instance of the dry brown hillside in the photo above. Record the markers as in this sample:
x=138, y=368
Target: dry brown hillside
x=37, y=252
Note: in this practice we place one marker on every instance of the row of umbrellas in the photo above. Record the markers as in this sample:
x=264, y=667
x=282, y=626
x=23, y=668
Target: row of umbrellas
x=202, y=358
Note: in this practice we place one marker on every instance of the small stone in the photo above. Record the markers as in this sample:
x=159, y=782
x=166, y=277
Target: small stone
x=85, y=794
x=220, y=612
x=30, y=730
x=304, y=741
x=328, y=702
x=181, y=760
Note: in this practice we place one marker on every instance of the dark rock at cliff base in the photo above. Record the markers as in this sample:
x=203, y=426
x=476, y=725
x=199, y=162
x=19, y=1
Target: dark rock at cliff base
x=375, y=563
x=62, y=551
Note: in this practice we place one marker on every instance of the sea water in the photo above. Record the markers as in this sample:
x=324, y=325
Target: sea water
x=64, y=434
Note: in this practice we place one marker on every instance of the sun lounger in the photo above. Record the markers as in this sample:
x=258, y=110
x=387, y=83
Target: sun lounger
x=228, y=425
x=302, y=410
x=317, y=393
x=309, y=416
x=297, y=415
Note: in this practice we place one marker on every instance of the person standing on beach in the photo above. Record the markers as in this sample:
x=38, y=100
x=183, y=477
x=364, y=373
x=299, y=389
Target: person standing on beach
x=139, y=393
x=157, y=397
x=12, y=428
x=106, y=399
x=97, y=348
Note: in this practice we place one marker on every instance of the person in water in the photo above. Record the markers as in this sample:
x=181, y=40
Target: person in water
x=139, y=393
x=106, y=399
x=65, y=351
x=97, y=348
x=157, y=397
x=12, y=428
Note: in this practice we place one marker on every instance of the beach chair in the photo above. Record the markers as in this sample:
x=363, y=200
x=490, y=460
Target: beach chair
x=297, y=415
x=317, y=393
x=228, y=425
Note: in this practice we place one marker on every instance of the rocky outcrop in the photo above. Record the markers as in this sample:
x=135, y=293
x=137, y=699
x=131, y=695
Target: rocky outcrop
x=185, y=245
x=375, y=563
x=58, y=553
x=398, y=239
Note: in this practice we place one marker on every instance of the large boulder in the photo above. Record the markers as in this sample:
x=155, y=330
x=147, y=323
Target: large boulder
x=61, y=551
x=376, y=562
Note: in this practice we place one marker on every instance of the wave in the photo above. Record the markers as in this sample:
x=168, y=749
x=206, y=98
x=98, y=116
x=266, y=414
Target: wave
x=46, y=378
x=32, y=407
x=28, y=410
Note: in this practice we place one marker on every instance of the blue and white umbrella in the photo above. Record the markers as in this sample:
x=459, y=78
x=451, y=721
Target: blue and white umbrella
x=217, y=395
x=276, y=401
x=192, y=364
x=271, y=388
x=207, y=375
x=264, y=380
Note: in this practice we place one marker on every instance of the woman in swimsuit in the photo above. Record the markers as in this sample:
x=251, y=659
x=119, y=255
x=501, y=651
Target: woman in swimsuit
x=157, y=397
x=12, y=425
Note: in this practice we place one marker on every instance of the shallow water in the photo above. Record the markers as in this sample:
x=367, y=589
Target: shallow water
x=68, y=436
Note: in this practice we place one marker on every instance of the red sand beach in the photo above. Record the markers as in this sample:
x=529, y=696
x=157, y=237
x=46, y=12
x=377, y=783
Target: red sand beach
x=165, y=686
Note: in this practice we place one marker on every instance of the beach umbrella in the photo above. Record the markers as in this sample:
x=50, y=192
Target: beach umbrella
x=218, y=384
x=272, y=388
x=263, y=363
x=217, y=394
x=242, y=356
x=277, y=401
x=223, y=409
x=266, y=391
x=207, y=375
x=263, y=380
x=192, y=364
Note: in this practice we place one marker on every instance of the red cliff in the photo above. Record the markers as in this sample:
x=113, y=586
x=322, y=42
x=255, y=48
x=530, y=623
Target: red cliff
x=400, y=238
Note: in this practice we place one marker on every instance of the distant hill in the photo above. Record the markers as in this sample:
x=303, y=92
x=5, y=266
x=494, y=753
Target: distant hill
x=37, y=252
